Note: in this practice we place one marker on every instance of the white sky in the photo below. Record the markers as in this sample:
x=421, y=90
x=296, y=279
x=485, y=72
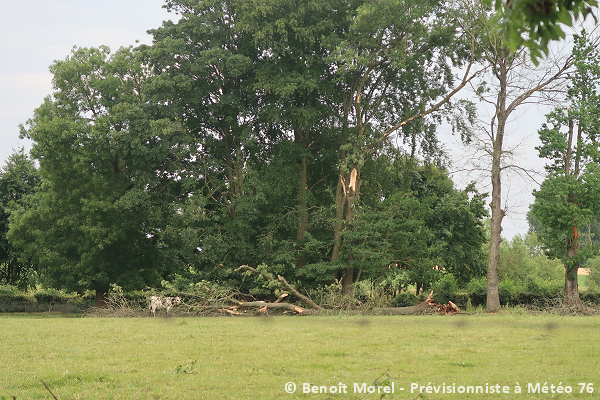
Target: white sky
x=34, y=33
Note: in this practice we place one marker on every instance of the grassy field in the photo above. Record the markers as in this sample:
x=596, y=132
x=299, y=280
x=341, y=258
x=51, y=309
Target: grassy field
x=254, y=358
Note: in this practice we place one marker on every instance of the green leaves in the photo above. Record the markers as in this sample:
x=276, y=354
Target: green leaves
x=106, y=171
x=535, y=23
x=413, y=219
x=569, y=198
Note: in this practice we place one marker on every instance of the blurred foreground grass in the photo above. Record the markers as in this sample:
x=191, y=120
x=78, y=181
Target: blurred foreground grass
x=254, y=358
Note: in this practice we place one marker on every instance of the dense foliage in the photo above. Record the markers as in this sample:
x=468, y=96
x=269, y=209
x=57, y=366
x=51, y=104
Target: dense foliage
x=536, y=23
x=18, y=178
x=569, y=197
x=256, y=134
x=297, y=138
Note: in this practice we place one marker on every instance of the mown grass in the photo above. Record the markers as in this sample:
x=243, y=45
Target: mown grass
x=253, y=358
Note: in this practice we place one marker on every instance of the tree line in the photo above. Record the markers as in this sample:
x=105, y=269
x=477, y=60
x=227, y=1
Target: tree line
x=301, y=138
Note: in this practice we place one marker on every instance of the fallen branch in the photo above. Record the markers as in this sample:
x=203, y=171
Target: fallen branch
x=281, y=279
x=260, y=305
x=298, y=294
x=281, y=297
x=426, y=306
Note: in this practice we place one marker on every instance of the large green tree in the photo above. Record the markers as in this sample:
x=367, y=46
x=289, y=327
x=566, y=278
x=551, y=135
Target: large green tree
x=569, y=197
x=299, y=95
x=109, y=177
x=316, y=86
x=204, y=76
x=411, y=219
x=393, y=70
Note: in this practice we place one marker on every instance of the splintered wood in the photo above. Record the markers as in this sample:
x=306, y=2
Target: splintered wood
x=443, y=309
x=261, y=307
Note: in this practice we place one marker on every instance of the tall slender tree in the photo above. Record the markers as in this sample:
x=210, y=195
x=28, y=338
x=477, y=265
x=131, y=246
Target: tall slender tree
x=569, y=197
x=510, y=81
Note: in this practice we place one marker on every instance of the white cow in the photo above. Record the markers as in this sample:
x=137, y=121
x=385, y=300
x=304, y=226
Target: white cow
x=159, y=303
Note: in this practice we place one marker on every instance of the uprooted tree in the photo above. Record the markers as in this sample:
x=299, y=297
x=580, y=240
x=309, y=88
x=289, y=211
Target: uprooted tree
x=427, y=306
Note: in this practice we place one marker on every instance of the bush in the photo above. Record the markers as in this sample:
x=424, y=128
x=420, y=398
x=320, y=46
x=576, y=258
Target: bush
x=590, y=297
x=404, y=299
x=9, y=293
x=461, y=299
x=51, y=296
x=444, y=289
x=477, y=292
x=507, y=291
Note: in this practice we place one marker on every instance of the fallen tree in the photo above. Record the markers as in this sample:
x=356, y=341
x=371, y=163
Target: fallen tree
x=426, y=307
x=228, y=302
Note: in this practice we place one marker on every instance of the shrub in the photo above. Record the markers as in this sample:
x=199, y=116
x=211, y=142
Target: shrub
x=9, y=293
x=591, y=297
x=477, y=292
x=461, y=299
x=444, y=289
x=51, y=296
x=507, y=291
x=404, y=299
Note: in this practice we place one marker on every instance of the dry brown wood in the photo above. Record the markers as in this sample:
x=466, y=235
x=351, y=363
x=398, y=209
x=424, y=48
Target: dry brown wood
x=277, y=306
x=299, y=295
x=426, y=306
x=283, y=296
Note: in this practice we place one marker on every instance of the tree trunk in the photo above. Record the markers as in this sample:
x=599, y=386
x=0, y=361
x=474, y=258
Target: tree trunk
x=493, y=296
x=347, y=281
x=101, y=297
x=339, y=221
x=301, y=138
x=571, y=282
x=351, y=186
x=572, y=287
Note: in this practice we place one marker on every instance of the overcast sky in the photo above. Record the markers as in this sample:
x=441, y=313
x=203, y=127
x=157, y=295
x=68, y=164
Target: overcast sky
x=34, y=33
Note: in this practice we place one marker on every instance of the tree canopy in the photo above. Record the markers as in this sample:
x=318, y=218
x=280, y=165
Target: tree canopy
x=18, y=178
x=298, y=136
x=536, y=23
x=569, y=197
x=108, y=176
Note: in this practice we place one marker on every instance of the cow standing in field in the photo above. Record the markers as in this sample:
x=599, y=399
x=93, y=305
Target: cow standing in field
x=166, y=303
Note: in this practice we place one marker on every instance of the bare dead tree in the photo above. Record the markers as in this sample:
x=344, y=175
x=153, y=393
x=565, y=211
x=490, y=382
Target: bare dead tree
x=511, y=82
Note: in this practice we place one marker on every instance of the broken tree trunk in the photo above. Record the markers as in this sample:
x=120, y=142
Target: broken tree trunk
x=241, y=307
x=427, y=306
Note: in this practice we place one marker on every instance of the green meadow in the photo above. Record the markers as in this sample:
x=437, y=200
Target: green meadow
x=254, y=358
